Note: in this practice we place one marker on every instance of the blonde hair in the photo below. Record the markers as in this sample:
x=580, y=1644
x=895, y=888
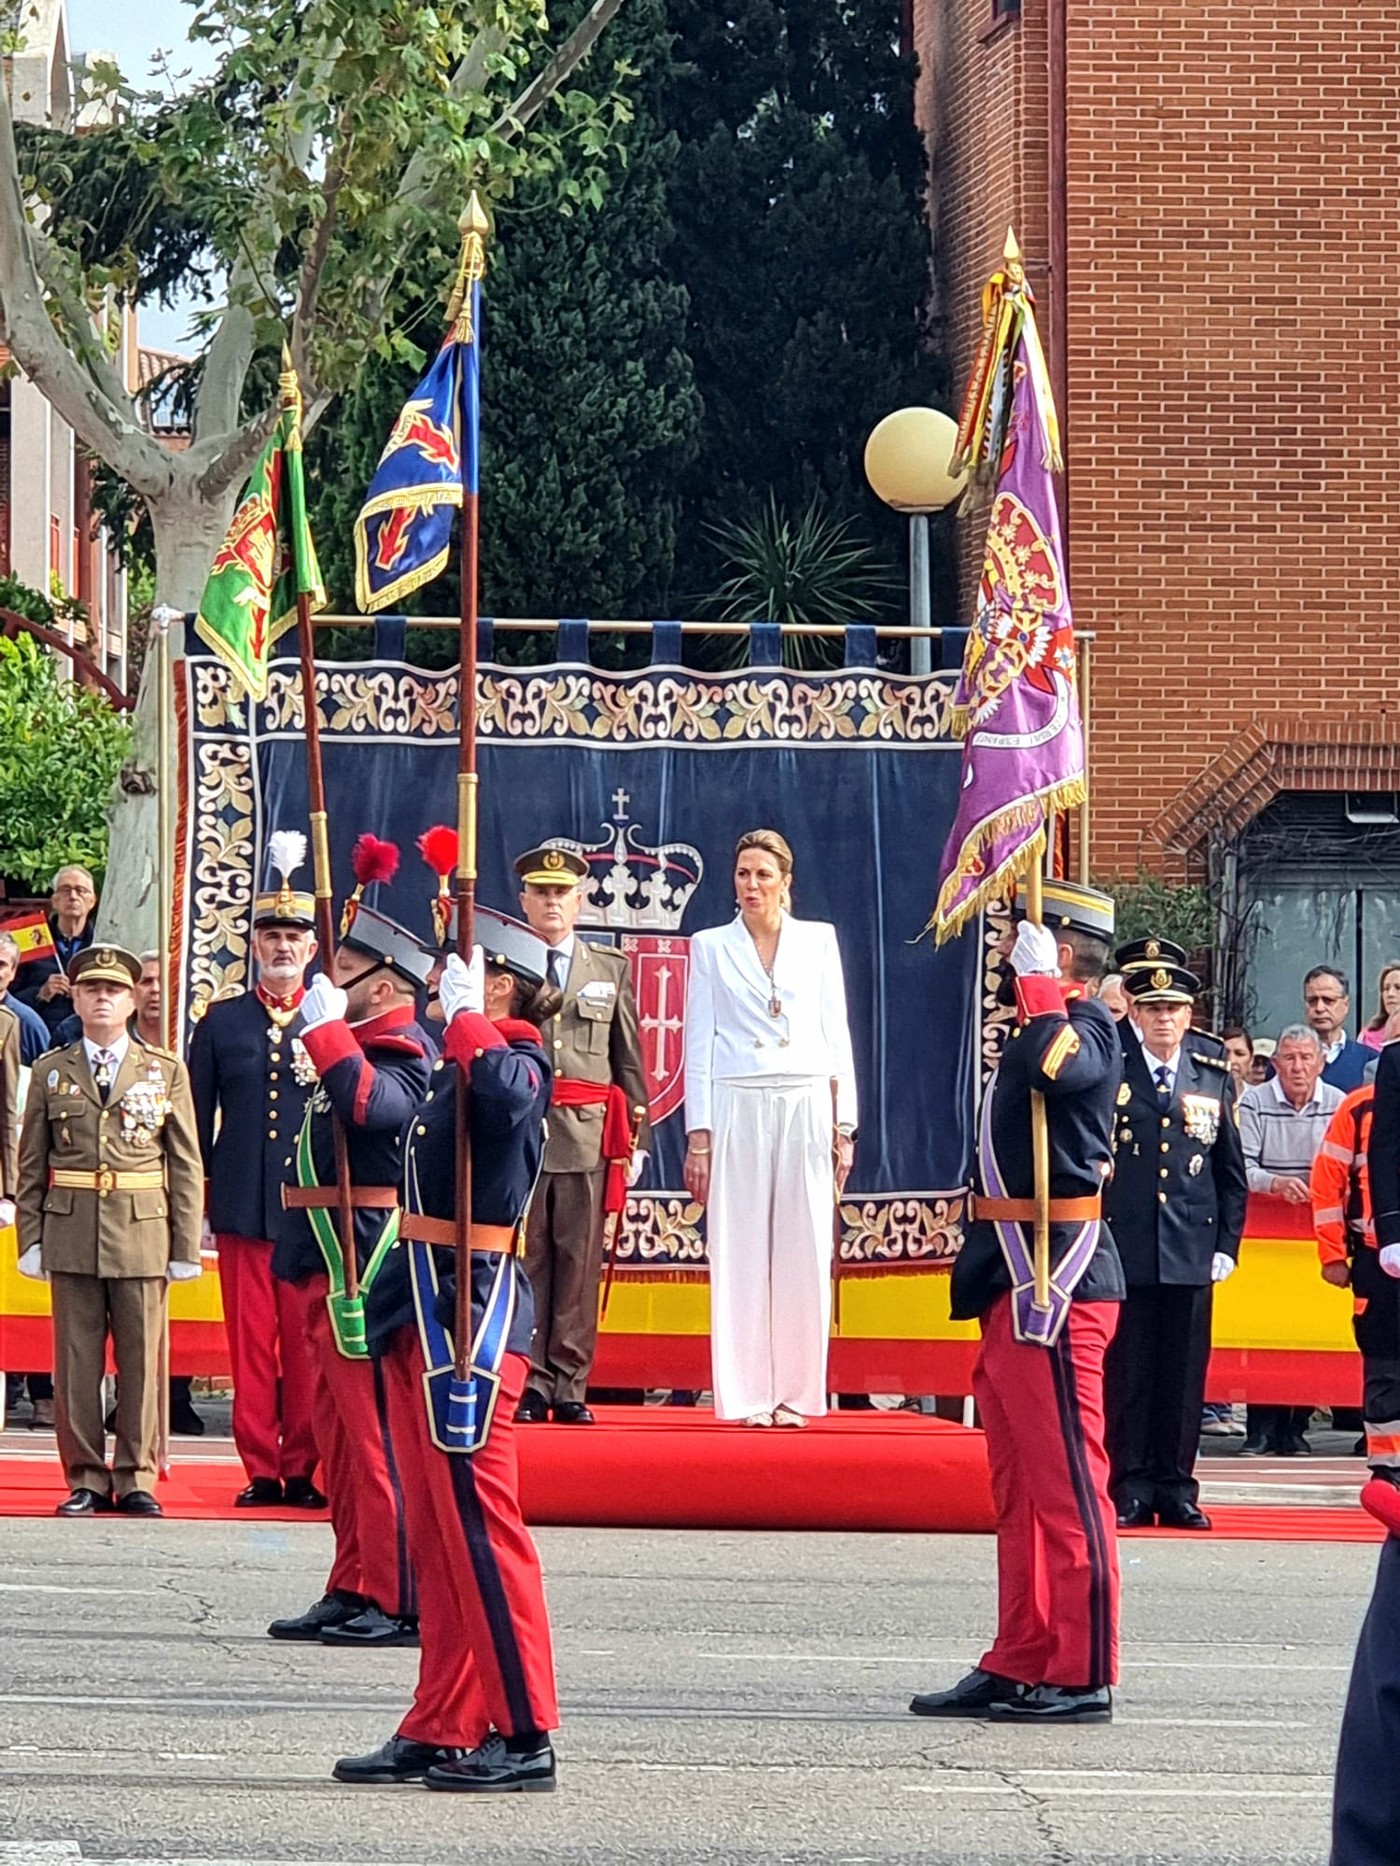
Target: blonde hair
x=771, y=843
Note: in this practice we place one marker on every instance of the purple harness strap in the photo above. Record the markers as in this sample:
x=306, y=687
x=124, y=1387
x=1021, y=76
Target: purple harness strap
x=1040, y=1327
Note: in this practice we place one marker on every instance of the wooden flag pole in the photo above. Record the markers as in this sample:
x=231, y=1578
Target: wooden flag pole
x=474, y=228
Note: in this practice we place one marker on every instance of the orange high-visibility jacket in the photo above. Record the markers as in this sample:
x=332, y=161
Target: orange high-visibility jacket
x=1341, y=1190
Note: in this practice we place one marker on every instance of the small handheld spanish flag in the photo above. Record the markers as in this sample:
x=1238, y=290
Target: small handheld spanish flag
x=31, y=934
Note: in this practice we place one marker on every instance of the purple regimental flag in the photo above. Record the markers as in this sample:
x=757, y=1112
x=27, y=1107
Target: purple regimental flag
x=1016, y=706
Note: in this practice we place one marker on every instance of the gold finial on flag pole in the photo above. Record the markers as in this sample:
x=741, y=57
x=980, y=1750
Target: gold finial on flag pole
x=475, y=228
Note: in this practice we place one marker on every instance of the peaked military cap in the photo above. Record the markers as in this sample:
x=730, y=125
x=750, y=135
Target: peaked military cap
x=1163, y=983
x=1150, y=951
x=1070, y=906
x=551, y=867
x=510, y=946
x=379, y=937
x=111, y=965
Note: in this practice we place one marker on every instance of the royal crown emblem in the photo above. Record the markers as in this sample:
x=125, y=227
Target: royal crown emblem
x=632, y=887
x=641, y=892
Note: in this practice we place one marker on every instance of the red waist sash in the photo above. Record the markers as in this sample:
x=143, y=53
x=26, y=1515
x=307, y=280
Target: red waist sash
x=569, y=1092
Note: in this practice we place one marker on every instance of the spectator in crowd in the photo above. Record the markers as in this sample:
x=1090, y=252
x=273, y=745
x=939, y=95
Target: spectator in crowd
x=1114, y=997
x=767, y=1052
x=1374, y=1035
x=1261, y=1069
x=33, y=1031
x=43, y=983
x=1346, y=1247
x=1327, y=1005
x=1283, y=1123
x=1239, y=1053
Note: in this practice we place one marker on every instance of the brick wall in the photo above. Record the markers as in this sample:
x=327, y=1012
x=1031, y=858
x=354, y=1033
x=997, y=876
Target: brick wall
x=1232, y=194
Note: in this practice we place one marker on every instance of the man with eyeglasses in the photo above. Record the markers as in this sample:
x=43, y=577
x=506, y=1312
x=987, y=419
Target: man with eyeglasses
x=44, y=983
x=1327, y=1004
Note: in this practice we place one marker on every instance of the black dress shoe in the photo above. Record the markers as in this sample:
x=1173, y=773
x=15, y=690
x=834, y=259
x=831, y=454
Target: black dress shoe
x=1135, y=1516
x=1182, y=1516
x=138, y=1503
x=1255, y=1446
x=497, y=1769
x=533, y=1408
x=302, y=1494
x=1294, y=1446
x=972, y=1696
x=84, y=1503
x=371, y=1627
x=186, y=1424
x=1057, y=1704
x=264, y=1493
x=572, y=1412
x=398, y=1760
x=330, y=1610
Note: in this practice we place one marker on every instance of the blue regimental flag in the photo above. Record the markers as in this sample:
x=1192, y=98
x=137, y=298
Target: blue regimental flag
x=404, y=531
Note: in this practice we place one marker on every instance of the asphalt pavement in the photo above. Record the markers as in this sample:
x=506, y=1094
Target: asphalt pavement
x=727, y=1699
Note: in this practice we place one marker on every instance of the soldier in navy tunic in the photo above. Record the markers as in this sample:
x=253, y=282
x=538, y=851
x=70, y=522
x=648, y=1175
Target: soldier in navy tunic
x=486, y=1700
x=374, y=1062
x=251, y=1077
x=1177, y=1206
x=1039, y=1374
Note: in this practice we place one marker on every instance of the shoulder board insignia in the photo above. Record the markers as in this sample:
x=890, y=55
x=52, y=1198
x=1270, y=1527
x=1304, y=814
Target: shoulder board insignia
x=1065, y=1045
x=1211, y=1062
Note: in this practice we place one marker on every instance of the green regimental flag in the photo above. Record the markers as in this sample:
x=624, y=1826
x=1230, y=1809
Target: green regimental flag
x=267, y=557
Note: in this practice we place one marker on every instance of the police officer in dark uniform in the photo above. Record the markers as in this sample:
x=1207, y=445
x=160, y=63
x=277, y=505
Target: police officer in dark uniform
x=1177, y=1205
x=374, y=1062
x=486, y=1701
x=1039, y=1375
x=251, y=1078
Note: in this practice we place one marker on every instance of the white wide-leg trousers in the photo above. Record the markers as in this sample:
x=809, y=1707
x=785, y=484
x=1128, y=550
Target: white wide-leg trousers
x=771, y=1213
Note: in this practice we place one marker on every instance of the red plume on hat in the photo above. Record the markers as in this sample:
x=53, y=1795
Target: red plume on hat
x=439, y=848
x=373, y=861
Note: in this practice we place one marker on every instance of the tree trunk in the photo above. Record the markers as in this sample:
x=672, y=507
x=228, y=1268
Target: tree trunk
x=188, y=531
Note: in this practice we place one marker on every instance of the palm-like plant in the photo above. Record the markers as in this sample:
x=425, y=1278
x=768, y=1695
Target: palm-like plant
x=812, y=568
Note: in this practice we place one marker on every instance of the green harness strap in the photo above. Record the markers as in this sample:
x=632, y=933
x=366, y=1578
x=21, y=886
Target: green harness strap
x=347, y=1314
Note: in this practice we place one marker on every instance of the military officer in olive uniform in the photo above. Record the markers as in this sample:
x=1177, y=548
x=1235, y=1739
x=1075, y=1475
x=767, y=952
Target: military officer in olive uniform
x=10, y=1035
x=594, y=1045
x=111, y=1188
x=1176, y=1203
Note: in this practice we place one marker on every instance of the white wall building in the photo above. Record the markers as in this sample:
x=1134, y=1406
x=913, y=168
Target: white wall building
x=47, y=536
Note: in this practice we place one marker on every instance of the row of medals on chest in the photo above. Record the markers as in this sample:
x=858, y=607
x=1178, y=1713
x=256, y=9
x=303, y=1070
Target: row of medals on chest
x=1197, y=1121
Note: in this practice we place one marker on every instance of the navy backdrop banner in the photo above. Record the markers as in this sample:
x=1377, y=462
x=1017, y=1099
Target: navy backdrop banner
x=652, y=775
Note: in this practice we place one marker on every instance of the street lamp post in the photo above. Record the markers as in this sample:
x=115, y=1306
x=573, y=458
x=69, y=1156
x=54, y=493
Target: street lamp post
x=907, y=464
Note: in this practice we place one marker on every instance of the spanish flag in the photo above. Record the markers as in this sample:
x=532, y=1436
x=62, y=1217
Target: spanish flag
x=31, y=934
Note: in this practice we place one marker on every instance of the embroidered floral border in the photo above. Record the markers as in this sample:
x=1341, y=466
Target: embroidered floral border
x=661, y=1234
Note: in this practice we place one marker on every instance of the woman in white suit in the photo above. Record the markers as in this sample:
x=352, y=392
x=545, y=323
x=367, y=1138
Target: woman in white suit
x=766, y=1042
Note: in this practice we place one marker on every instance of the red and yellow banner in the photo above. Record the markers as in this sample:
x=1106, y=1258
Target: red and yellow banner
x=31, y=934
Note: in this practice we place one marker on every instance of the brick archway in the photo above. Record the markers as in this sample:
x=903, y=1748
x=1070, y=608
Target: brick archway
x=1275, y=755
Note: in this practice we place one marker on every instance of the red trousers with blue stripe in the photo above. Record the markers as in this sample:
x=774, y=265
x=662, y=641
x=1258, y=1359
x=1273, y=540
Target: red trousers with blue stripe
x=359, y=1466
x=1057, y=1547
x=486, y=1660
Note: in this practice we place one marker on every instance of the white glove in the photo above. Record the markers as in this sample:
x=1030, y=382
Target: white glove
x=462, y=987
x=1036, y=950
x=183, y=1272
x=7, y=1213
x=638, y=1166
x=32, y=1264
x=324, y=1003
x=1390, y=1259
x=1221, y=1267
x=206, y=1235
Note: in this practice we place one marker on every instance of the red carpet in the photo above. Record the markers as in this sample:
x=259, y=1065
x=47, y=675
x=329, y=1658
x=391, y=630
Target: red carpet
x=678, y=1468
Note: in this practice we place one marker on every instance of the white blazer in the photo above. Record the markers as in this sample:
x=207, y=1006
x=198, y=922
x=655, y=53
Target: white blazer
x=729, y=1033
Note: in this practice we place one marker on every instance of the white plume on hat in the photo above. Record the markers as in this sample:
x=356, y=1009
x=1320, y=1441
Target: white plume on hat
x=286, y=851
